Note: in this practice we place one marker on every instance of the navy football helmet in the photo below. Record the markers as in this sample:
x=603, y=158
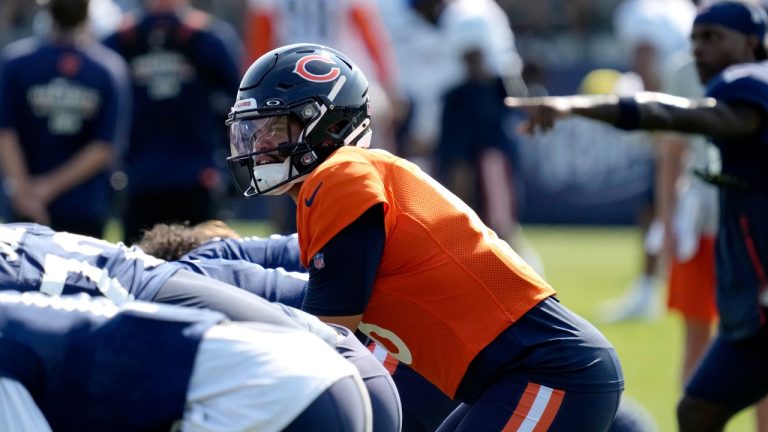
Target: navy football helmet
x=296, y=105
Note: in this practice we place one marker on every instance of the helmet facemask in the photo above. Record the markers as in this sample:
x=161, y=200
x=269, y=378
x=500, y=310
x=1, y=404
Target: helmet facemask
x=270, y=152
x=272, y=149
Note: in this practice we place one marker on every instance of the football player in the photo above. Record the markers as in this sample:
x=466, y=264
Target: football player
x=36, y=258
x=728, y=45
x=395, y=255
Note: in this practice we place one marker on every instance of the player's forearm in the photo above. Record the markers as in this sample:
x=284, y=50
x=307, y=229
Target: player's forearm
x=12, y=163
x=646, y=110
x=659, y=111
x=604, y=108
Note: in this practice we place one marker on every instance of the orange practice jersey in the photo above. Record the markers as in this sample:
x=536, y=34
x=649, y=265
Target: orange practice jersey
x=446, y=285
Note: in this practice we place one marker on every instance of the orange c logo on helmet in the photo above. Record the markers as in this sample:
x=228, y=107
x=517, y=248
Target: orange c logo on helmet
x=301, y=69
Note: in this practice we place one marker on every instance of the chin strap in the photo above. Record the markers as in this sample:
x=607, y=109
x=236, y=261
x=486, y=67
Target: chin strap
x=363, y=141
x=268, y=176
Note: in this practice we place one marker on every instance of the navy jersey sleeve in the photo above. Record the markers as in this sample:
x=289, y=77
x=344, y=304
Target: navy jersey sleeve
x=276, y=251
x=341, y=277
x=275, y=285
x=745, y=85
x=739, y=86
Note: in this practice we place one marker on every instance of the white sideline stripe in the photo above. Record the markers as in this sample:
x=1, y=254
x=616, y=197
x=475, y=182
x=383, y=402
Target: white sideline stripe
x=539, y=405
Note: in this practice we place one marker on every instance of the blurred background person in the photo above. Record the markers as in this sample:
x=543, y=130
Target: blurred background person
x=687, y=211
x=180, y=59
x=477, y=155
x=63, y=110
x=430, y=38
x=650, y=32
x=16, y=19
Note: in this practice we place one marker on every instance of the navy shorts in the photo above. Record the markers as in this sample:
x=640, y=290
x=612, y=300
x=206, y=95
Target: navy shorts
x=385, y=401
x=732, y=373
x=338, y=409
x=551, y=369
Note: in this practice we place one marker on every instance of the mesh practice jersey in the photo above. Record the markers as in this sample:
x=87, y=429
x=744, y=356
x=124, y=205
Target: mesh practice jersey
x=445, y=279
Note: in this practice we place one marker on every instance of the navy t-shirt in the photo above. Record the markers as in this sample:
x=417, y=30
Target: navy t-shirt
x=58, y=98
x=178, y=62
x=744, y=157
x=742, y=243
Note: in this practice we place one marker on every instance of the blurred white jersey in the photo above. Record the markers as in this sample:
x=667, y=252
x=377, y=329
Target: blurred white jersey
x=664, y=24
x=482, y=24
x=430, y=56
x=696, y=210
x=352, y=27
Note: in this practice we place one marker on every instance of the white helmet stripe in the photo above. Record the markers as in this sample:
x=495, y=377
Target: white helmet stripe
x=337, y=88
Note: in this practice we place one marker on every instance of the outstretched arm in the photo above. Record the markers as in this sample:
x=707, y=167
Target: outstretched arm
x=646, y=110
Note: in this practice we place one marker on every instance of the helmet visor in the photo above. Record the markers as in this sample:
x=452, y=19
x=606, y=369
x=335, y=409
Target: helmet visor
x=273, y=135
x=261, y=152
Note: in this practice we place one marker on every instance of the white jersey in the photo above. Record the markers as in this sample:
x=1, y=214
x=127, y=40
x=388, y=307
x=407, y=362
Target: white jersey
x=665, y=24
x=246, y=376
x=484, y=25
x=352, y=27
x=431, y=57
x=316, y=21
x=256, y=377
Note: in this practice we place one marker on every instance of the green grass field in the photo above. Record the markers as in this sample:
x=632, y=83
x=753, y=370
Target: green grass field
x=587, y=266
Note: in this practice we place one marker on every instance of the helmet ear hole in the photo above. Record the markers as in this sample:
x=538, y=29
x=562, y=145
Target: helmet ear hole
x=338, y=129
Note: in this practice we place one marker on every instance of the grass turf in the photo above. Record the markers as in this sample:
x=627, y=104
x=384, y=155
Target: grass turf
x=590, y=265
